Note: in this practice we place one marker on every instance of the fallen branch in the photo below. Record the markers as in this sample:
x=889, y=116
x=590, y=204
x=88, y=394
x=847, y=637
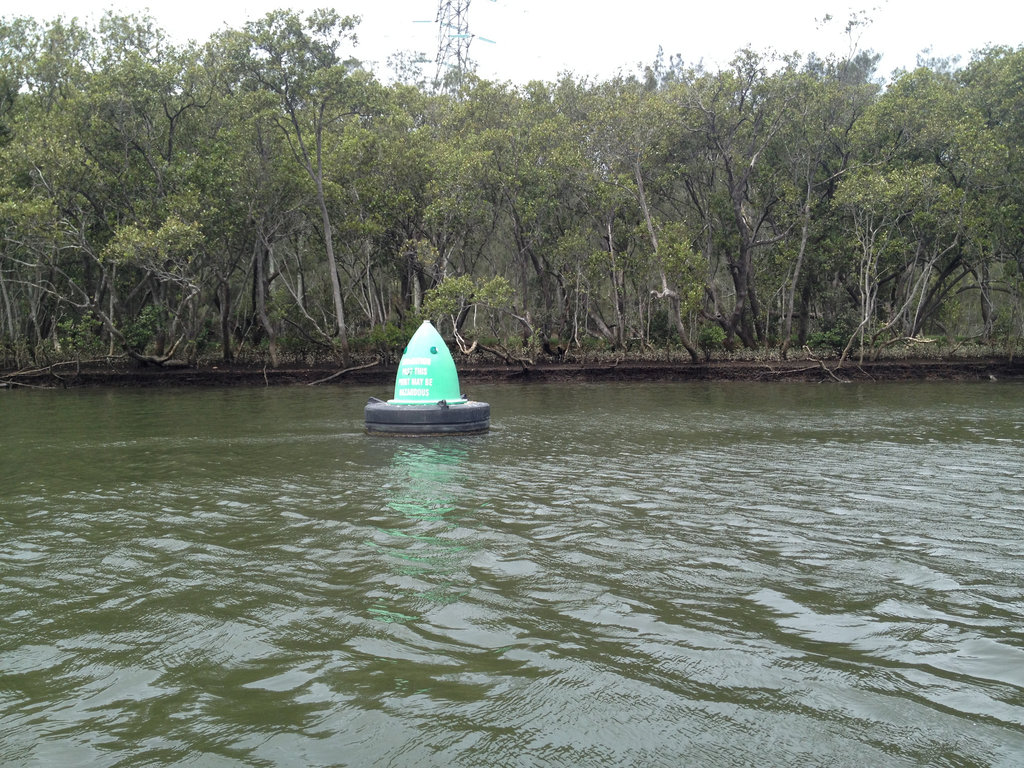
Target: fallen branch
x=825, y=368
x=508, y=358
x=503, y=355
x=60, y=364
x=462, y=345
x=10, y=384
x=375, y=361
x=789, y=371
x=163, y=361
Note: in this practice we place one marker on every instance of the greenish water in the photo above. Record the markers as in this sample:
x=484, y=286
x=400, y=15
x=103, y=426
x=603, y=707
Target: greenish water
x=656, y=575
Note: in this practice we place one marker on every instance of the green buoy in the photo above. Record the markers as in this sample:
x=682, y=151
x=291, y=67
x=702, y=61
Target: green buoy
x=427, y=398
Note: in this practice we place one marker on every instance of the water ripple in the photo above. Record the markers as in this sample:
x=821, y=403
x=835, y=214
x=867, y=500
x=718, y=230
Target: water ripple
x=779, y=575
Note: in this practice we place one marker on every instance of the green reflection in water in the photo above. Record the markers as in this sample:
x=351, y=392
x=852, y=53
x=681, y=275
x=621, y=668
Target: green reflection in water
x=422, y=534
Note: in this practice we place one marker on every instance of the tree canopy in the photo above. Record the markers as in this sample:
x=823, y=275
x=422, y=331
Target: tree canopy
x=264, y=196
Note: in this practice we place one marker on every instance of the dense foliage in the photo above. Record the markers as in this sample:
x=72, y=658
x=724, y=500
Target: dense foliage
x=264, y=196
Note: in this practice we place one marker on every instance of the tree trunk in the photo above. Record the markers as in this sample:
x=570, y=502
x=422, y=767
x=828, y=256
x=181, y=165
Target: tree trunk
x=987, y=315
x=260, y=252
x=790, y=298
x=8, y=309
x=332, y=268
x=227, y=353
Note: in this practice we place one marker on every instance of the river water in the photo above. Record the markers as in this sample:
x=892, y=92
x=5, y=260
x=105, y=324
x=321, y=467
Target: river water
x=616, y=575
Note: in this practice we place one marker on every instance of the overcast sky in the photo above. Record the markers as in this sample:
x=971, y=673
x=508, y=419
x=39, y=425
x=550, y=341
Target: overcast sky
x=539, y=39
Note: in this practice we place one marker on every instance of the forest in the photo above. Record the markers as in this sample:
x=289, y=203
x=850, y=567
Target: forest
x=264, y=196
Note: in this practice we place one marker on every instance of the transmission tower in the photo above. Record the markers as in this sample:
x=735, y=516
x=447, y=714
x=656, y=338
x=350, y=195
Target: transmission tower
x=453, y=39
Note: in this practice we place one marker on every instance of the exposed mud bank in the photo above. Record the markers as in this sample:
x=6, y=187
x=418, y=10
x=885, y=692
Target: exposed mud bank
x=625, y=370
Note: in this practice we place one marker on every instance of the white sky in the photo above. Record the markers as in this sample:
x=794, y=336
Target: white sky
x=539, y=39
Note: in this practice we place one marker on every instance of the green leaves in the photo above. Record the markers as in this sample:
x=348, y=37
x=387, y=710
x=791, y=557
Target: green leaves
x=454, y=294
x=165, y=250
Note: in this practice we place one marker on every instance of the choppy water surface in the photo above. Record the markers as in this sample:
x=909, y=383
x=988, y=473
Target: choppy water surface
x=616, y=575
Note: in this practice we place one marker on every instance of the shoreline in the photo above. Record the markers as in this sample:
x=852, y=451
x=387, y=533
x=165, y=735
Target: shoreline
x=805, y=370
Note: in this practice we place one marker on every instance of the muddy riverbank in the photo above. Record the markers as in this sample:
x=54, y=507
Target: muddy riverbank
x=811, y=370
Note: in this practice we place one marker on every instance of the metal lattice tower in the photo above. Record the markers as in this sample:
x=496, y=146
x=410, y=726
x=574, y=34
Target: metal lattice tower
x=453, y=39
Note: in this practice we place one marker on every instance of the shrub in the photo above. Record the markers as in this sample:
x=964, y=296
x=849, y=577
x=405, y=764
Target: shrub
x=140, y=331
x=711, y=338
x=834, y=339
